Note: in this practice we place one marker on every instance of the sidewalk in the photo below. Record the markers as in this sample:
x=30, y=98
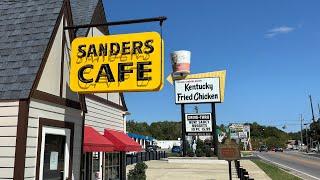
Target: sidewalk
x=215, y=170
x=254, y=171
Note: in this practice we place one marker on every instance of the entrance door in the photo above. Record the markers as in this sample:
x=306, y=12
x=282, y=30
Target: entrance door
x=55, y=148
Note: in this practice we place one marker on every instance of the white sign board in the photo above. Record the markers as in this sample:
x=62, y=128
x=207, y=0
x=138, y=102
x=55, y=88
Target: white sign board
x=234, y=136
x=246, y=128
x=237, y=127
x=204, y=90
x=198, y=123
x=243, y=135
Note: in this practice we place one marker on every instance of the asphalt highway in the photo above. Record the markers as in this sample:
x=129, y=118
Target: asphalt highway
x=305, y=166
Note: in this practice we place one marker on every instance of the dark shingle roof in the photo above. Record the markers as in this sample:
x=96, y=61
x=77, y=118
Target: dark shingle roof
x=82, y=12
x=25, y=30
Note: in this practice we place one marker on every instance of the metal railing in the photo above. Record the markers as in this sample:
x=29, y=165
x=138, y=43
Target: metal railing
x=241, y=172
x=145, y=156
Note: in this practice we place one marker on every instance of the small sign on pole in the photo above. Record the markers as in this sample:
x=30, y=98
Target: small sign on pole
x=229, y=151
x=199, y=124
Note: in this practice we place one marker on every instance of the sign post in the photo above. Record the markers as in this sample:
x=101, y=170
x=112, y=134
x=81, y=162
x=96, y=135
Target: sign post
x=229, y=151
x=183, y=138
x=214, y=127
x=230, y=174
x=200, y=90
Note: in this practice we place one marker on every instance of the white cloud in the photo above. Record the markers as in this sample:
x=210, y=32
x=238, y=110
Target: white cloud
x=279, y=30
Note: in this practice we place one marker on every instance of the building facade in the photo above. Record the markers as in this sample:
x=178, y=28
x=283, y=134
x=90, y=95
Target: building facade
x=42, y=122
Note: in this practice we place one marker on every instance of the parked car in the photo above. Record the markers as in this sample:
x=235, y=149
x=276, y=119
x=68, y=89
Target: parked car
x=278, y=149
x=313, y=150
x=176, y=149
x=263, y=148
x=151, y=148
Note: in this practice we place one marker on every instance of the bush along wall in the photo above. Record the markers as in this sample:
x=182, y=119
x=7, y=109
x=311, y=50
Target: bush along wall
x=138, y=172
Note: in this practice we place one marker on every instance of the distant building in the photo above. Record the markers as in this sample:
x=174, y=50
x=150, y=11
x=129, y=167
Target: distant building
x=291, y=144
x=48, y=131
x=142, y=140
x=167, y=144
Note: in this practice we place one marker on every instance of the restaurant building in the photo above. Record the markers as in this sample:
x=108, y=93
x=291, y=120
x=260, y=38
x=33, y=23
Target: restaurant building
x=46, y=130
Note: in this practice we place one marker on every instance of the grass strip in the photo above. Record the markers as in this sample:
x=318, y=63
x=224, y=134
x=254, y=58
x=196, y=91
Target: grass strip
x=246, y=153
x=274, y=172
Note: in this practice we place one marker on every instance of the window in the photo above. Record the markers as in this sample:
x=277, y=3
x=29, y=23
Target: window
x=112, y=166
x=53, y=163
x=95, y=162
x=92, y=166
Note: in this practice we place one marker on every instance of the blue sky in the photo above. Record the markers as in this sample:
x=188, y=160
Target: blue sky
x=270, y=49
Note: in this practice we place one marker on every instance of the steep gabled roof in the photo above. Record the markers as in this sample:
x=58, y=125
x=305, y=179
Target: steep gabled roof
x=25, y=29
x=83, y=12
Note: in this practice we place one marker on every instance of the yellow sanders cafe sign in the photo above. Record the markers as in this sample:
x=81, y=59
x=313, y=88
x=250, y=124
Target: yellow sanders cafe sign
x=117, y=63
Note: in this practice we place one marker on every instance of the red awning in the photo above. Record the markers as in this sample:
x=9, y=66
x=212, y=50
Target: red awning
x=121, y=141
x=95, y=142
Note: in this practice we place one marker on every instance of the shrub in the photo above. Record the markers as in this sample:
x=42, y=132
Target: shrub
x=190, y=153
x=173, y=154
x=200, y=153
x=208, y=152
x=200, y=144
x=138, y=172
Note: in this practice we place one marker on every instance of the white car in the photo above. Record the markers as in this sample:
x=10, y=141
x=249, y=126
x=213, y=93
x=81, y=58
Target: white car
x=313, y=149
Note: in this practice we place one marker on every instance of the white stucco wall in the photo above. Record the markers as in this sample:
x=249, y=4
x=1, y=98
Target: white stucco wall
x=52, y=70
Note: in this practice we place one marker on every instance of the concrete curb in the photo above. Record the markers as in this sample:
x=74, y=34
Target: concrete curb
x=196, y=160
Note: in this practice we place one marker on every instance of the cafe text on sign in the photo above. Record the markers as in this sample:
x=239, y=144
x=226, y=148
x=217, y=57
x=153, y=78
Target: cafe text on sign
x=117, y=63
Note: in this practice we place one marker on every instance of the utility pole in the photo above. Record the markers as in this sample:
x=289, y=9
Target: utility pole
x=307, y=141
x=319, y=111
x=313, y=120
x=301, y=132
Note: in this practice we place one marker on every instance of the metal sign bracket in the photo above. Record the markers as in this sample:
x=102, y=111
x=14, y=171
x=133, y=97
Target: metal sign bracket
x=161, y=19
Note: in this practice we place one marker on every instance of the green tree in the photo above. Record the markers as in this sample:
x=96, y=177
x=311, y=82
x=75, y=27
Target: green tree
x=315, y=131
x=165, y=130
x=271, y=136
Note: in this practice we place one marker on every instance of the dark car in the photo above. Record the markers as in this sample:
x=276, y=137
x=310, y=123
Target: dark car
x=151, y=148
x=263, y=148
x=278, y=149
x=176, y=149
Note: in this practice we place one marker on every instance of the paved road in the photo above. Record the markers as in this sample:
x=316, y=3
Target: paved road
x=305, y=166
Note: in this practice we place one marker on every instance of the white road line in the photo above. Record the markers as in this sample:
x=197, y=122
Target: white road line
x=288, y=167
